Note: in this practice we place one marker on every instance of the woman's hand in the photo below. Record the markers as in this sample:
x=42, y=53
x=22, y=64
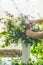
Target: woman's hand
x=34, y=34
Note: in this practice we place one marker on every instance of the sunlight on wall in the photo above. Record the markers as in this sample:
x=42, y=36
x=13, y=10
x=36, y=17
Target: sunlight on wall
x=40, y=7
x=15, y=7
x=7, y=6
x=20, y=6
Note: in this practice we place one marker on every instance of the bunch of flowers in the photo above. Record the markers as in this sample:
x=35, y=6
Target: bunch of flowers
x=15, y=31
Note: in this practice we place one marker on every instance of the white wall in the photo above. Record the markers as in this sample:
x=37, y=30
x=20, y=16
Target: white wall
x=40, y=7
x=24, y=6
x=31, y=7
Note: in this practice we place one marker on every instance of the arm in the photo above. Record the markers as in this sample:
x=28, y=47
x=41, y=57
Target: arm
x=30, y=22
x=36, y=21
x=34, y=34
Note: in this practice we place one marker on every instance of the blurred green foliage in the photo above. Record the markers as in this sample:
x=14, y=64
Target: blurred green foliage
x=15, y=32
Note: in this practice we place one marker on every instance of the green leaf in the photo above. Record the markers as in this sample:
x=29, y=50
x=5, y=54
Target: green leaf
x=4, y=32
x=1, y=35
